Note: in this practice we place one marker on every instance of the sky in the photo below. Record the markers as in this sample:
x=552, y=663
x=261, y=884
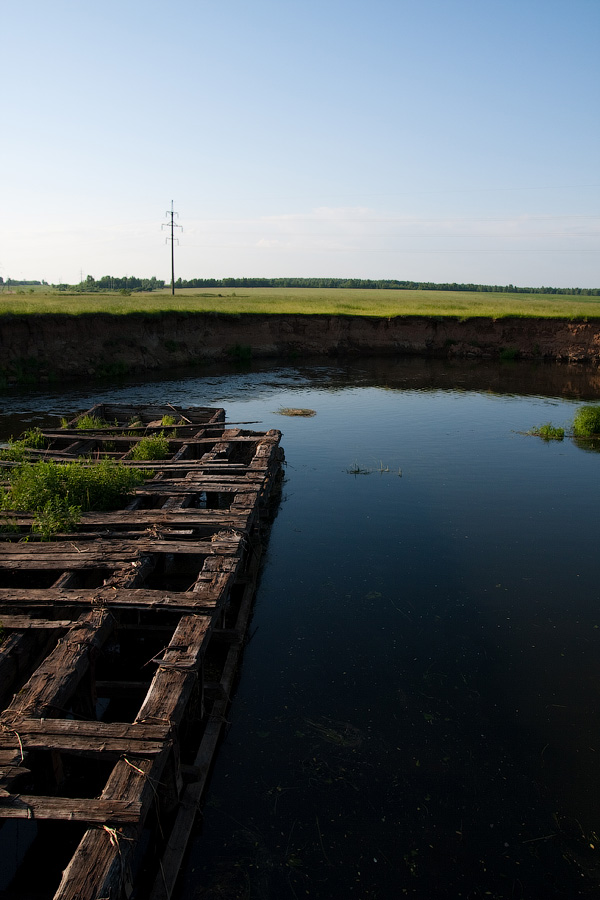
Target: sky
x=425, y=140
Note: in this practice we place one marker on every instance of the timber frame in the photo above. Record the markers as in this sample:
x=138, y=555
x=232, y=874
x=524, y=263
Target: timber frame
x=121, y=643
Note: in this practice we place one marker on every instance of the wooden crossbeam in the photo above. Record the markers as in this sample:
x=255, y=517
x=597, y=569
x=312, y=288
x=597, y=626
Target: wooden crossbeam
x=208, y=595
x=69, y=555
x=186, y=517
x=66, y=809
x=25, y=623
x=73, y=736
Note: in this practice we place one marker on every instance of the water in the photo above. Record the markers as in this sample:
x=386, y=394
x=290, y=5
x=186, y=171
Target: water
x=418, y=709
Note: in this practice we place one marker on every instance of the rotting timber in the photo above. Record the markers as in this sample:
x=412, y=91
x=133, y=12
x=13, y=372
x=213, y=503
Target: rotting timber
x=121, y=644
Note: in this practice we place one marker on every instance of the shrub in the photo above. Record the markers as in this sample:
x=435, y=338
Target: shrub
x=587, y=421
x=58, y=492
x=17, y=450
x=153, y=447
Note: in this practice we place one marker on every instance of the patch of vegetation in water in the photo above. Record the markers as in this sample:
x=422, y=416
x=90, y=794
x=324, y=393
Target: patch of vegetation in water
x=548, y=432
x=295, y=411
x=587, y=421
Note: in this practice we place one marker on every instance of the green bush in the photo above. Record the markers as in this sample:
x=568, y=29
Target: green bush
x=587, y=421
x=153, y=447
x=58, y=492
x=17, y=451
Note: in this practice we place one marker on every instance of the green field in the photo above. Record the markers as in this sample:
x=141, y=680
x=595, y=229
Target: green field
x=329, y=301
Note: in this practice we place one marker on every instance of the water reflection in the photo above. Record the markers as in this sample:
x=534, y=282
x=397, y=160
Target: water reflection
x=418, y=710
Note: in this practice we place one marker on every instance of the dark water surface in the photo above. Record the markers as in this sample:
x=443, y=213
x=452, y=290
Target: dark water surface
x=418, y=712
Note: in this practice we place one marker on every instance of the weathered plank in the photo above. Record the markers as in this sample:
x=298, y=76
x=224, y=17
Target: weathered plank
x=25, y=623
x=207, y=594
x=105, y=559
x=102, y=812
x=180, y=517
x=85, y=737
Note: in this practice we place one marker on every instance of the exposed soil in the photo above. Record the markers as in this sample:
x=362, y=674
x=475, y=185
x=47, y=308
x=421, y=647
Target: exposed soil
x=41, y=347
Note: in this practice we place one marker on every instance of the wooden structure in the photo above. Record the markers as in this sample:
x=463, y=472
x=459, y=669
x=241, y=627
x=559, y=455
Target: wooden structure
x=120, y=647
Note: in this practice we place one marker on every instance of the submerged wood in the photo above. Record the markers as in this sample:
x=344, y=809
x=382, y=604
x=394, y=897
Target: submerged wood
x=175, y=572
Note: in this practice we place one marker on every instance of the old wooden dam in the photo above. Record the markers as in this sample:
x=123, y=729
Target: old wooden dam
x=119, y=647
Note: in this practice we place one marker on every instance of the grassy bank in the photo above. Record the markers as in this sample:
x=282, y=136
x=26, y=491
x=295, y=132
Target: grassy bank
x=329, y=301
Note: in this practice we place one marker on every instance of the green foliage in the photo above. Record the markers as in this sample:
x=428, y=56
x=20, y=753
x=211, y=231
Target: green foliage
x=168, y=420
x=58, y=492
x=17, y=451
x=587, y=421
x=548, y=432
x=92, y=423
x=56, y=515
x=153, y=447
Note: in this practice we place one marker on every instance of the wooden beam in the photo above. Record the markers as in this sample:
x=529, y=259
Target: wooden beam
x=66, y=809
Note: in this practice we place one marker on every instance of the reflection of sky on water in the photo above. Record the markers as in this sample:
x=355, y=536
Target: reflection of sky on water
x=418, y=708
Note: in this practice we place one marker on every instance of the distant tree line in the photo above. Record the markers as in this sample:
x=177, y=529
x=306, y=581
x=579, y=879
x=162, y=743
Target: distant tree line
x=112, y=283
x=382, y=284
x=131, y=283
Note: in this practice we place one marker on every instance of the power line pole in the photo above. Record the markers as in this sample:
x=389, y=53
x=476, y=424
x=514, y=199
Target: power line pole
x=172, y=225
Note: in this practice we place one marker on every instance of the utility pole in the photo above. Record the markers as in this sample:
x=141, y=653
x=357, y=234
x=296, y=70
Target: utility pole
x=172, y=225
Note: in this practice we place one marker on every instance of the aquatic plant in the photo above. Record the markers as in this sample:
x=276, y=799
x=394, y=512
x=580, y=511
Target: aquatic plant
x=294, y=411
x=382, y=468
x=587, y=421
x=548, y=432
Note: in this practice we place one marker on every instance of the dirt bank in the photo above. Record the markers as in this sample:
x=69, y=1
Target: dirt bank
x=41, y=347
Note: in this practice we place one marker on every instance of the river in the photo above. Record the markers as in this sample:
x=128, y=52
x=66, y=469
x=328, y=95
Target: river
x=418, y=710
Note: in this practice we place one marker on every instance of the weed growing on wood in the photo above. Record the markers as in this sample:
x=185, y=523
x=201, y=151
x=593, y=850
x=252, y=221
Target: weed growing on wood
x=57, y=493
x=587, y=421
x=548, y=432
x=153, y=447
x=89, y=423
x=17, y=450
x=56, y=516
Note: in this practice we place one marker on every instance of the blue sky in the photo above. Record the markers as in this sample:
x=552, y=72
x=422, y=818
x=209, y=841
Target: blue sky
x=440, y=140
